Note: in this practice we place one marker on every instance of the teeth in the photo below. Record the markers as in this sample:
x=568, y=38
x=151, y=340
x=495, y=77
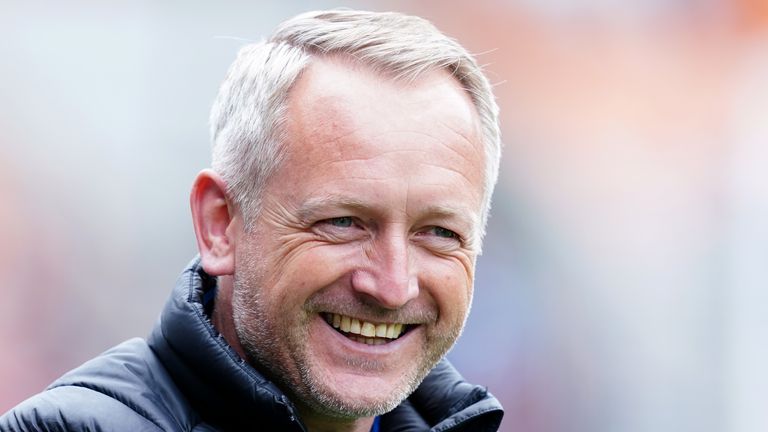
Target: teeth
x=368, y=329
x=391, y=331
x=368, y=341
x=369, y=333
x=355, y=327
x=381, y=330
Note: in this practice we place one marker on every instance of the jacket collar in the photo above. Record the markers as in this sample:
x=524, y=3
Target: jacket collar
x=228, y=392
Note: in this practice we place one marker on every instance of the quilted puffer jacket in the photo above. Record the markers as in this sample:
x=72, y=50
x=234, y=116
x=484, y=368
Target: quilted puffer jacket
x=185, y=377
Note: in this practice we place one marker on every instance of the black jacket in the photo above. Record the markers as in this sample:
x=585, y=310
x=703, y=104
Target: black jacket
x=185, y=377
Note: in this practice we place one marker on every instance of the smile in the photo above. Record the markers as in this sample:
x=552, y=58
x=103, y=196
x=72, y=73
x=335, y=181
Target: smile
x=364, y=331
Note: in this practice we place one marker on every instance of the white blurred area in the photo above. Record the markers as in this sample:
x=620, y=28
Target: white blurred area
x=623, y=284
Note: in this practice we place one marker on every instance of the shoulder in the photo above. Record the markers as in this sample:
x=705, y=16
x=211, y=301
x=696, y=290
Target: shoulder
x=74, y=408
x=126, y=388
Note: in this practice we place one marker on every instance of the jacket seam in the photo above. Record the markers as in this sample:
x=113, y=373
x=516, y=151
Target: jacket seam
x=191, y=299
x=144, y=414
x=470, y=417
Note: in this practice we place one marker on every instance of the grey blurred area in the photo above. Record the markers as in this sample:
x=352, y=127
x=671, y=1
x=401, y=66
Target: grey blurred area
x=623, y=281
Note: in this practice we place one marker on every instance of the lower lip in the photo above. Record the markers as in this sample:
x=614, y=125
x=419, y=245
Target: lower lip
x=383, y=349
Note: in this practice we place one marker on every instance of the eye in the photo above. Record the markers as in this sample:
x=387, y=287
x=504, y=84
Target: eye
x=341, y=222
x=340, y=229
x=444, y=233
x=440, y=239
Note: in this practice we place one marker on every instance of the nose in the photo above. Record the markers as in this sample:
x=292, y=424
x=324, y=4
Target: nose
x=388, y=275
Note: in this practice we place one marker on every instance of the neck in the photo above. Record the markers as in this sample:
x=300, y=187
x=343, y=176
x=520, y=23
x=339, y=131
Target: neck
x=319, y=423
x=222, y=318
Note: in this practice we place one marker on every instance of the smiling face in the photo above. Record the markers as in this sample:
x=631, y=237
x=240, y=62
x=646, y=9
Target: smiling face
x=357, y=275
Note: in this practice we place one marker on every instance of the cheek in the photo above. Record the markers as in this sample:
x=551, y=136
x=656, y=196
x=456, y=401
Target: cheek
x=451, y=288
x=310, y=269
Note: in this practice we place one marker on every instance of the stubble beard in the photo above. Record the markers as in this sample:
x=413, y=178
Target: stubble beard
x=282, y=357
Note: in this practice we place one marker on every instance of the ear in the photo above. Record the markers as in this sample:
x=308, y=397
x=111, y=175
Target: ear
x=212, y=215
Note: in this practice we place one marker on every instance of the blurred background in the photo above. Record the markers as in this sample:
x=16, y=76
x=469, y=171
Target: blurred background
x=623, y=284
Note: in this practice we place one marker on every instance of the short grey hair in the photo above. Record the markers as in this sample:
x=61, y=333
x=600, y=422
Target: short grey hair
x=249, y=112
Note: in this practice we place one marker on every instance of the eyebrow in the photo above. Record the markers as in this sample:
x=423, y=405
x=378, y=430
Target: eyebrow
x=450, y=212
x=311, y=206
x=314, y=205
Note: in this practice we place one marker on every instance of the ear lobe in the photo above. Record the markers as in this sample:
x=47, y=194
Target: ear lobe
x=212, y=216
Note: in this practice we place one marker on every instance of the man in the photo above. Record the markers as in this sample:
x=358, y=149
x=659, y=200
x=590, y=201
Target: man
x=354, y=156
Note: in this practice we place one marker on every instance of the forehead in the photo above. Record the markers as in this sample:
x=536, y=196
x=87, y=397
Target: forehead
x=337, y=99
x=399, y=150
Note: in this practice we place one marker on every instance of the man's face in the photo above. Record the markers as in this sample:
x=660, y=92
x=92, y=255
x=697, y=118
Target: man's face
x=357, y=275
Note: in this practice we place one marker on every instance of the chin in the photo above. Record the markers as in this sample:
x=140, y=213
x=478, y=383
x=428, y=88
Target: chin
x=356, y=396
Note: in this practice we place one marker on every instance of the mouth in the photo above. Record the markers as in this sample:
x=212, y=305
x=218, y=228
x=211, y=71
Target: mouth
x=366, y=332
